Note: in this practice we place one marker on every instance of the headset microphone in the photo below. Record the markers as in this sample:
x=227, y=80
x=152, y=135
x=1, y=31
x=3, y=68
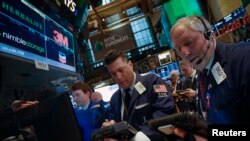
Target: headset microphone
x=207, y=35
x=200, y=60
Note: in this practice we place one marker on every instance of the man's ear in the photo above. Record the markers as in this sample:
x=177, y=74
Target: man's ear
x=88, y=93
x=130, y=64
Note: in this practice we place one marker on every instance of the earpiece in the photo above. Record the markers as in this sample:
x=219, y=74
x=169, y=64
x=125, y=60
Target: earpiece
x=207, y=32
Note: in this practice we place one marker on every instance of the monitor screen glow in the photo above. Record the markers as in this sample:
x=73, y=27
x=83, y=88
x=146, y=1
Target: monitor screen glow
x=28, y=33
x=107, y=91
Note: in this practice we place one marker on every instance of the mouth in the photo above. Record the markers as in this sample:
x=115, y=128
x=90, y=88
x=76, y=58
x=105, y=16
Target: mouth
x=121, y=82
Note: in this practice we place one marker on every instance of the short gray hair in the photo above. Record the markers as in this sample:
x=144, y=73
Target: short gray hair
x=194, y=23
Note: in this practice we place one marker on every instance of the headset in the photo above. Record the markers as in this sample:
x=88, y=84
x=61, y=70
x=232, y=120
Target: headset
x=207, y=32
x=208, y=36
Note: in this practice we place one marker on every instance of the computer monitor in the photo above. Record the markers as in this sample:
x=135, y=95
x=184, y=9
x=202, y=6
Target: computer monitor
x=30, y=34
x=53, y=120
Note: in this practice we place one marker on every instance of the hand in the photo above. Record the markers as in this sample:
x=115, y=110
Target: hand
x=174, y=94
x=108, y=123
x=190, y=93
x=96, y=106
x=181, y=133
x=22, y=104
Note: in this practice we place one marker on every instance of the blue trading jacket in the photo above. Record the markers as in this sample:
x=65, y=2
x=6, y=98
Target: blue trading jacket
x=89, y=120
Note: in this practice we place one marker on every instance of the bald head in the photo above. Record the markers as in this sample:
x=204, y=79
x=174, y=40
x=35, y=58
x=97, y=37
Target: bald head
x=96, y=96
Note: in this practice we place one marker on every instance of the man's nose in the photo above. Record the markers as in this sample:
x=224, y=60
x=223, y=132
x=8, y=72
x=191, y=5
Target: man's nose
x=118, y=76
x=185, y=52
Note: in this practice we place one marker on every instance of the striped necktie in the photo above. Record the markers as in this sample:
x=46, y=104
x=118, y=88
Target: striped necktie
x=203, y=90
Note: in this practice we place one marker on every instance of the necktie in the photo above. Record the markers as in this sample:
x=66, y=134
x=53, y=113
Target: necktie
x=126, y=103
x=189, y=82
x=203, y=88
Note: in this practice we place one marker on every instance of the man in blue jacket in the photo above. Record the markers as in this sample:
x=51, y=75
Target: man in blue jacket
x=224, y=84
x=102, y=105
x=139, y=98
x=89, y=118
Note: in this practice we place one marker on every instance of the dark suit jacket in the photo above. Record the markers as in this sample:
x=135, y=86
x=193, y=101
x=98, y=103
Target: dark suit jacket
x=230, y=99
x=158, y=106
x=191, y=83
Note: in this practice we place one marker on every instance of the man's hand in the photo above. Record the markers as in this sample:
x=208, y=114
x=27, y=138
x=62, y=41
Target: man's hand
x=190, y=93
x=182, y=133
x=96, y=106
x=108, y=123
x=22, y=104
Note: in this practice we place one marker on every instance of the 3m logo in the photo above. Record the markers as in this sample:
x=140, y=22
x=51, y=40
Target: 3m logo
x=58, y=37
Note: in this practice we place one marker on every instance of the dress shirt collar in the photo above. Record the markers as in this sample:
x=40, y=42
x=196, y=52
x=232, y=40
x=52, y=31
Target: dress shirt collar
x=131, y=87
x=86, y=106
x=193, y=73
x=209, y=65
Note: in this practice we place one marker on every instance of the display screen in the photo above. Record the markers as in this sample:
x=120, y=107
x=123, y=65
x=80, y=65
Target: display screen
x=28, y=33
x=107, y=91
x=164, y=71
x=233, y=21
